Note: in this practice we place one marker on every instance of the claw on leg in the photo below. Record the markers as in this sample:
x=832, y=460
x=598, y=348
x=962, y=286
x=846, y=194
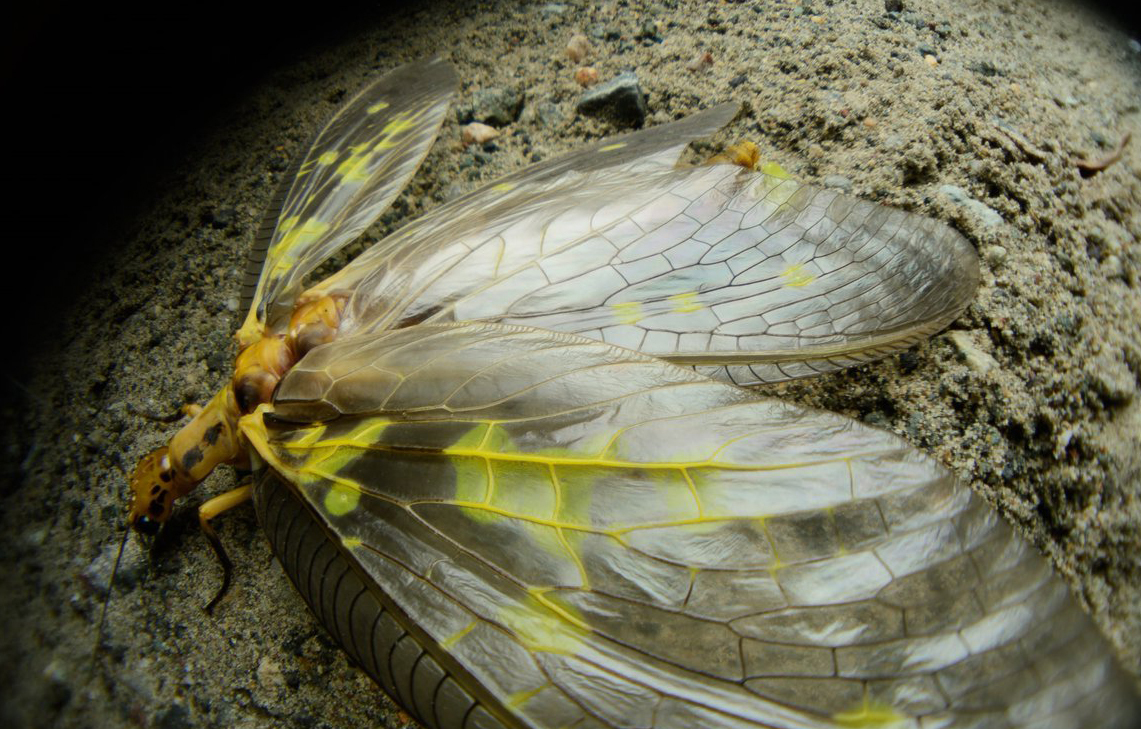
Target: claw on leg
x=209, y=510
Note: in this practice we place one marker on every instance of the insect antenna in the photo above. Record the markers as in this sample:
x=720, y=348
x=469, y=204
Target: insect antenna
x=107, y=599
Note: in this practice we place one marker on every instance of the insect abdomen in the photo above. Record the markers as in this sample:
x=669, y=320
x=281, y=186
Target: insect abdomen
x=379, y=639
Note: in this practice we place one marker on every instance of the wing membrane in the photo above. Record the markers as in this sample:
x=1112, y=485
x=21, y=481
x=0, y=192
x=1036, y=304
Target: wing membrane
x=753, y=276
x=357, y=163
x=598, y=538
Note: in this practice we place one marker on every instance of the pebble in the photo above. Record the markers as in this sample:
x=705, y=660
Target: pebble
x=1111, y=379
x=1112, y=267
x=586, y=76
x=839, y=182
x=995, y=256
x=476, y=133
x=932, y=61
x=988, y=216
x=270, y=674
x=619, y=101
x=578, y=48
x=545, y=114
x=976, y=359
x=497, y=107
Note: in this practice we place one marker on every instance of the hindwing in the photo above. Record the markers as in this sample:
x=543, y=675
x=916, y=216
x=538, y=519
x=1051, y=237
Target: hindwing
x=581, y=535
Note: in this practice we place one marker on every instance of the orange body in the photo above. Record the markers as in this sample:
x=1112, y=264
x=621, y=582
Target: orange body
x=212, y=436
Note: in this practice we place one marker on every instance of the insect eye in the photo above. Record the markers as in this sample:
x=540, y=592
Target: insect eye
x=147, y=525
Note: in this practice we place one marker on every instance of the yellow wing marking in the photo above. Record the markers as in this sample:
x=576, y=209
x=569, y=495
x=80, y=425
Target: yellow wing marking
x=542, y=625
x=627, y=312
x=612, y=147
x=504, y=187
x=517, y=699
x=685, y=302
x=772, y=168
x=296, y=238
x=451, y=640
x=328, y=158
x=482, y=458
x=560, y=534
x=796, y=275
x=341, y=499
x=870, y=714
x=378, y=106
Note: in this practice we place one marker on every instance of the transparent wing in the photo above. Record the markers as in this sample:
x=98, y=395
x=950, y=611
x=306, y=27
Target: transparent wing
x=755, y=276
x=544, y=530
x=357, y=163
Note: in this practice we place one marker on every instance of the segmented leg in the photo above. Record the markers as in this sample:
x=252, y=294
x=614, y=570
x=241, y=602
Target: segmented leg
x=209, y=510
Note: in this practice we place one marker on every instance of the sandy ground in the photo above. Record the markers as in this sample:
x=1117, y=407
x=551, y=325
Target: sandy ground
x=1033, y=398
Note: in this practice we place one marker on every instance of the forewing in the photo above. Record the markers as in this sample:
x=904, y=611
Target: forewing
x=356, y=164
x=555, y=532
x=646, y=151
x=755, y=276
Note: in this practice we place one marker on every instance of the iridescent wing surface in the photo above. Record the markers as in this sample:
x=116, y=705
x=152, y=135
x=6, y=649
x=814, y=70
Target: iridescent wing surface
x=511, y=527
x=356, y=165
x=754, y=276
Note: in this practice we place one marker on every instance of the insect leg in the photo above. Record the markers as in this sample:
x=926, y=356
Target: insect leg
x=209, y=510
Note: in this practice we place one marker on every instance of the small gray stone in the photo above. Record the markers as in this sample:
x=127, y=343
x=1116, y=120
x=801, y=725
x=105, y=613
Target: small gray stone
x=496, y=107
x=1110, y=378
x=976, y=359
x=839, y=182
x=995, y=255
x=619, y=101
x=545, y=113
x=552, y=9
x=958, y=195
x=1112, y=267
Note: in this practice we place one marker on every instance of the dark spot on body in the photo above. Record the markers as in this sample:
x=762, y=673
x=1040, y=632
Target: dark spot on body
x=155, y=489
x=164, y=476
x=192, y=458
x=212, y=434
x=246, y=393
x=155, y=507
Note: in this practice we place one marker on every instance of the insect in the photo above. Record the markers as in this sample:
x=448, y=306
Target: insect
x=505, y=456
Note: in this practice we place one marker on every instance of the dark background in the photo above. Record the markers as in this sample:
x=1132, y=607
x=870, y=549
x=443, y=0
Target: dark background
x=102, y=103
